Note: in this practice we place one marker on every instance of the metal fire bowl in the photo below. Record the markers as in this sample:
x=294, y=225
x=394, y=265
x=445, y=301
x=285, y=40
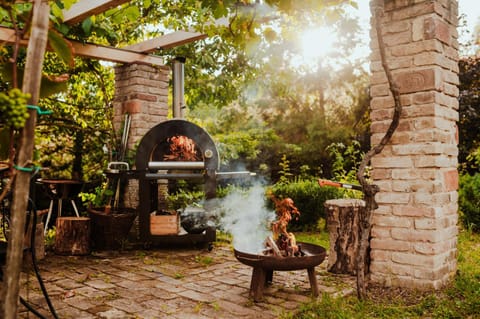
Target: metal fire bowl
x=314, y=256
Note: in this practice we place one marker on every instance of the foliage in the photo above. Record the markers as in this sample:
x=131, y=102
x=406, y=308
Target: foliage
x=183, y=198
x=50, y=238
x=253, y=137
x=243, y=140
x=77, y=141
x=318, y=237
x=285, y=173
x=307, y=195
x=100, y=197
x=309, y=198
x=469, y=201
x=469, y=111
x=13, y=108
x=458, y=300
x=346, y=159
x=345, y=162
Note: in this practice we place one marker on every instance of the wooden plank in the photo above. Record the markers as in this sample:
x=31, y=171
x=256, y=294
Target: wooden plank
x=94, y=51
x=82, y=9
x=167, y=41
x=114, y=55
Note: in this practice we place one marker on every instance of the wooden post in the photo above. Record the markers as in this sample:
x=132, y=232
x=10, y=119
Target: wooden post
x=343, y=217
x=72, y=236
x=31, y=84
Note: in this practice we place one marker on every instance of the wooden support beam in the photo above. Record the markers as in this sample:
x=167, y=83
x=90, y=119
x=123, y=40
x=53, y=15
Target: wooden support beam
x=82, y=9
x=167, y=41
x=95, y=51
x=114, y=54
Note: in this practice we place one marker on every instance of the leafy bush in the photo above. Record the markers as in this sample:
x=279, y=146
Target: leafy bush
x=307, y=195
x=309, y=198
x=469, y=201
x=183, y=198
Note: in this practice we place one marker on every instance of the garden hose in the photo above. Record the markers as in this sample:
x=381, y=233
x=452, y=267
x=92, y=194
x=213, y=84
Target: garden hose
x=34, y=261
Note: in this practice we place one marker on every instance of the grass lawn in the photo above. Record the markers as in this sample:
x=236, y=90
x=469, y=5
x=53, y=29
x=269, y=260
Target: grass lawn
x=461, y=299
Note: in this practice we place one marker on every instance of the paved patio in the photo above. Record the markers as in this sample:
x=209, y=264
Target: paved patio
x=174, y=283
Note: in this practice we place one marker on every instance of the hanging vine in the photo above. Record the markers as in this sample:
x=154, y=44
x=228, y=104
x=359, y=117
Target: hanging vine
x=370, y=190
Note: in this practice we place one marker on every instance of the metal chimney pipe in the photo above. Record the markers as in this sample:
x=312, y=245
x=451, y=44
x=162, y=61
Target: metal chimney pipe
x=178, y=87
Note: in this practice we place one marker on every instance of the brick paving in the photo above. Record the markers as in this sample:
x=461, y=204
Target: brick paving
x=174, y=283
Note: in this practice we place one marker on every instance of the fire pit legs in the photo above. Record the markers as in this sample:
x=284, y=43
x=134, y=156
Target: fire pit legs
x=261, y=277
x=313, y=281
x=268, y=276
x=264, y=266
x=258, y=283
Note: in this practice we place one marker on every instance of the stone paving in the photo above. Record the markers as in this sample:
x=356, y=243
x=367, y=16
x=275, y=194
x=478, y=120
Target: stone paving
x=160, y=283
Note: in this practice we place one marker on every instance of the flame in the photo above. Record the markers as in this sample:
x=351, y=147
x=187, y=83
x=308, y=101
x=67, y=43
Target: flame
x=182, y=148
x=285, y=210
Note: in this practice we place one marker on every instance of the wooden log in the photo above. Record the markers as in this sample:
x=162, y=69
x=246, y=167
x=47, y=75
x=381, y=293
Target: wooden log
x=39, y=242
x=342, y=223
x=270, y=243
x=72, y=236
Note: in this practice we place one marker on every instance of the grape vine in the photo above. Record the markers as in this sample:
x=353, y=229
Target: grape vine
x=13, y=108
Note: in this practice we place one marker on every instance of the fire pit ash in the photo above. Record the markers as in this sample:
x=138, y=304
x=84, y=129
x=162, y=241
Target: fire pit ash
x=282, y=252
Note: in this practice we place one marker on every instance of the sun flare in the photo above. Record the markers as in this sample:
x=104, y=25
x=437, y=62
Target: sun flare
x=318, y=42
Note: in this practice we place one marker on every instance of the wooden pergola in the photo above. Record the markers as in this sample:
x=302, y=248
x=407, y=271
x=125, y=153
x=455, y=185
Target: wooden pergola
x=37, y=45
x=137, y=53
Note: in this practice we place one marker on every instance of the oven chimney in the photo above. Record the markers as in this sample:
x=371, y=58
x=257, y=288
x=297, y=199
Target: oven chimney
x=178, y=87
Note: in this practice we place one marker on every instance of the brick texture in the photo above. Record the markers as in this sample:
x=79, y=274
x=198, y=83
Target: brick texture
x=142, y=92
x=414, y=228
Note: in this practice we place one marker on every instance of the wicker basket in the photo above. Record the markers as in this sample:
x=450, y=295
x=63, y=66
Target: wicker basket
x=109, y=231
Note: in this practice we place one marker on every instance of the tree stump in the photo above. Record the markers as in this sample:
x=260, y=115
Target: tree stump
x=72, y=236
x=342, y=223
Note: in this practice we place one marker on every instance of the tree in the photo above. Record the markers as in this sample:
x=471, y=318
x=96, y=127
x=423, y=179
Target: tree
x=469, y=111
x=71, y=143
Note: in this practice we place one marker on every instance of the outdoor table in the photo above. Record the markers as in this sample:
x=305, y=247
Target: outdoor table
x=59, y=190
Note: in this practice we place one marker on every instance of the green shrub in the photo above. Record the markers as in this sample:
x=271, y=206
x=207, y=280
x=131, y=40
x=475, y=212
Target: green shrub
x=309, y=198
x=183, y=198
x=469, y=201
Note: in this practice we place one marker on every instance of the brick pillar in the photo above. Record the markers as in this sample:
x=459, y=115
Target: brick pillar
x=142, y=92
x=414, y=235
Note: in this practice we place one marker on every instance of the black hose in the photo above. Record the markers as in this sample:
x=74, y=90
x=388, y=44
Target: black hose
x=27, y=305
x=31, y=309
x=34, y=260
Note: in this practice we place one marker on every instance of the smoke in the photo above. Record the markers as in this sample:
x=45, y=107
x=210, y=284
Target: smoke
x=245, y=217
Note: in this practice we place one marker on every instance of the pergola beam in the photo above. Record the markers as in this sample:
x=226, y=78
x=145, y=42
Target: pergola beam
x=82, y=9
x=167, y=41
x=115, y=55
x=94, y=51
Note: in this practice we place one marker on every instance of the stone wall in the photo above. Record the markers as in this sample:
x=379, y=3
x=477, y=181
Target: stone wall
x=414, y=235
x=142, y=92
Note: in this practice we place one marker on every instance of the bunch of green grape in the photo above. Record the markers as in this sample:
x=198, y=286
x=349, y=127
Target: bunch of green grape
x=13, y=108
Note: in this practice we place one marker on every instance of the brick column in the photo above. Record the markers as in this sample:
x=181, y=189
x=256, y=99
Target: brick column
x=414, y=235
x=142, y=92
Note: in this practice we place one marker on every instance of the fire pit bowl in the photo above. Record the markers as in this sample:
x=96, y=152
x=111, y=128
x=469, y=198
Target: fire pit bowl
x=264, y=265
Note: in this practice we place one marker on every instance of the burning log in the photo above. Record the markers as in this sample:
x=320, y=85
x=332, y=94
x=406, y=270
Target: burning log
x=272, y=247
x=182, y=148
x=283, y=243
